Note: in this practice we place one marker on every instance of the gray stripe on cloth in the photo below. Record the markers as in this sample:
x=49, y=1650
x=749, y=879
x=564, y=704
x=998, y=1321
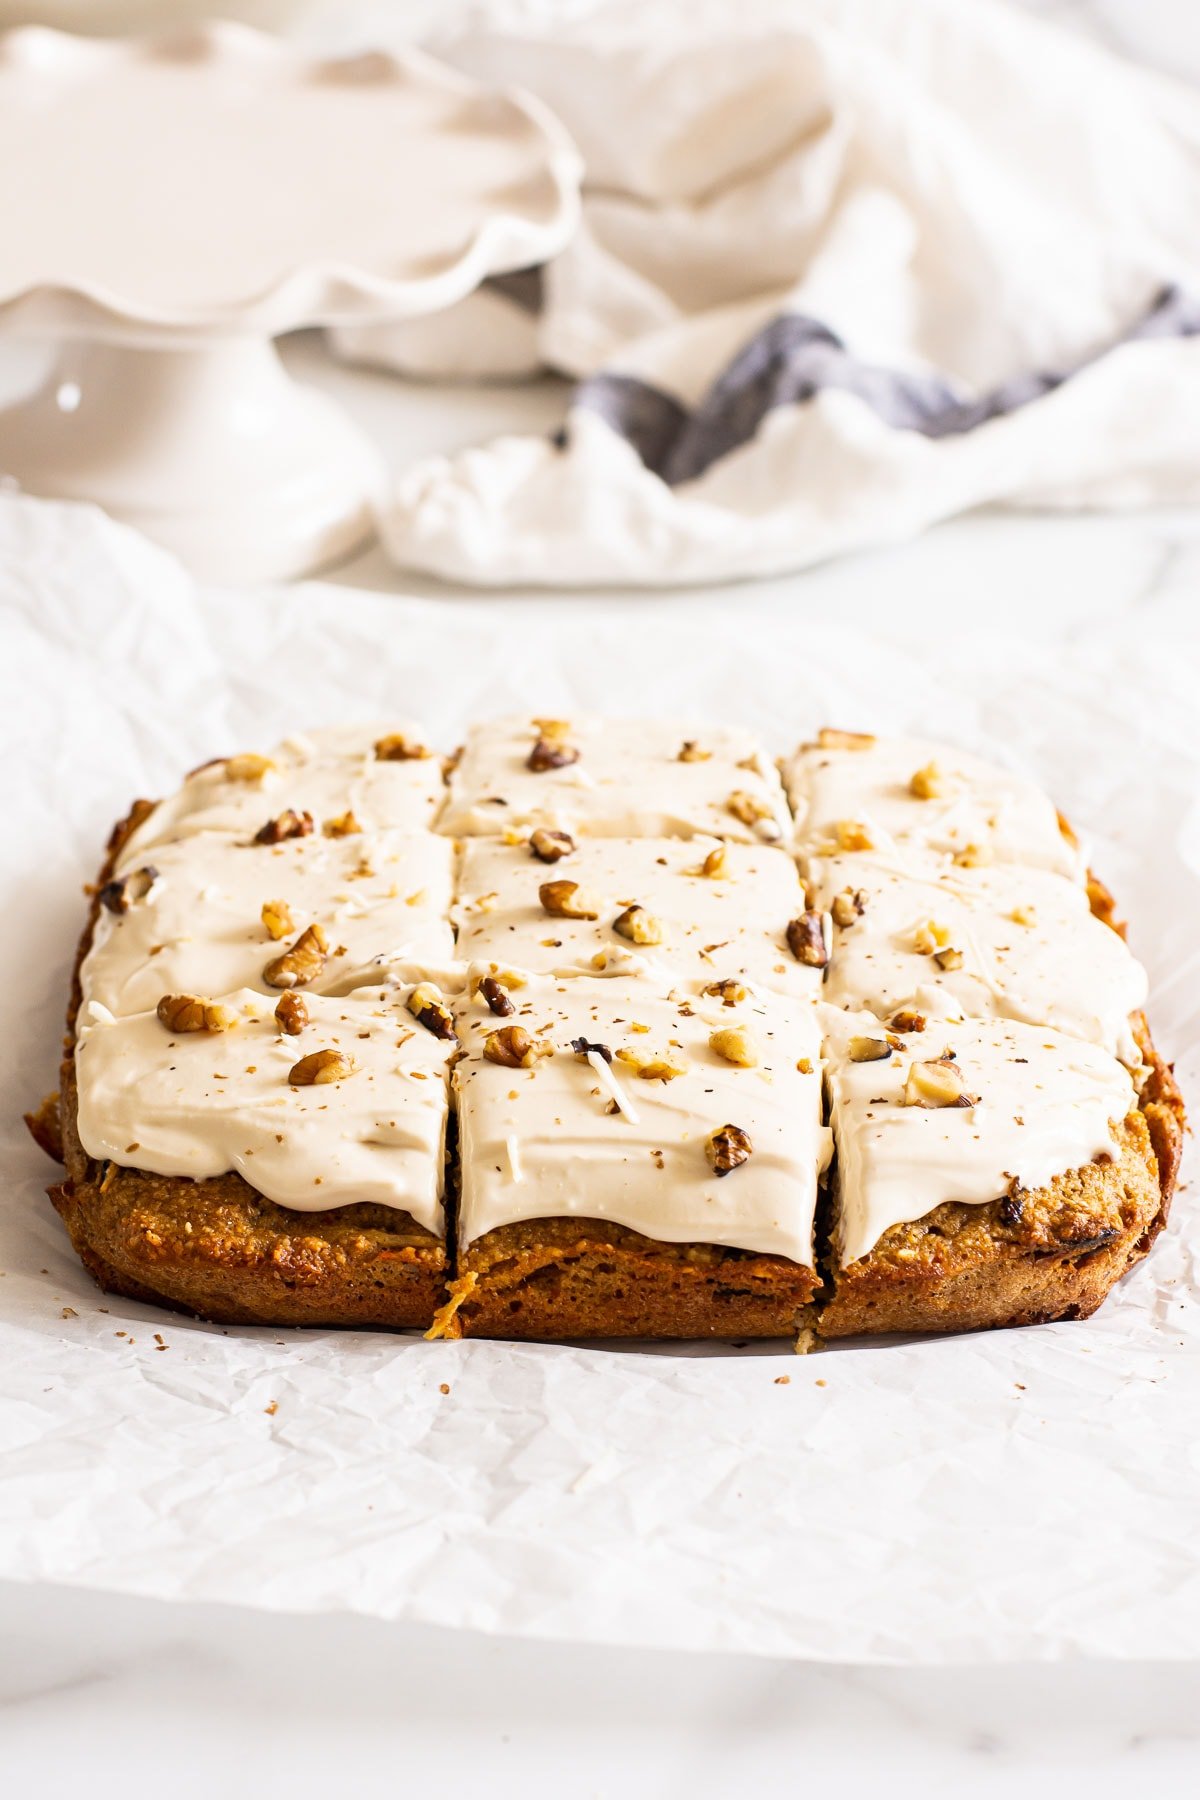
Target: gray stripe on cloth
x=794, y=358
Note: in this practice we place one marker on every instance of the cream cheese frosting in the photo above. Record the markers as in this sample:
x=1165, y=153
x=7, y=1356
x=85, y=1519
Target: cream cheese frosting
x=1044, y=1104
x=999, y=942
x=198, y=1104
x=863, y=799
x=729, y=923
x=192, y=921
x=615, y=778
x=326, y=774
x=578, y=1135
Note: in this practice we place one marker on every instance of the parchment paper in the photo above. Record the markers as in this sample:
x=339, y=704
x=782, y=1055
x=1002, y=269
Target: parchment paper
x=1014, y=1494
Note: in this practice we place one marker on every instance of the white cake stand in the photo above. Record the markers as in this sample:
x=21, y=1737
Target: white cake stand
x=171, y=204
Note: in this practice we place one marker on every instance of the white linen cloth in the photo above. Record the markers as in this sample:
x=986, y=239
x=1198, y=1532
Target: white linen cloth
x=845, y=267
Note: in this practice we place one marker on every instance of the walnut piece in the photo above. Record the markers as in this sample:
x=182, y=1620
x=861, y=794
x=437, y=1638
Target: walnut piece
x=119, y=895
x=651, y=1068
x=728, y=991
x=869, y=1049
x=907, y=1020
x=430, y=1010
x=691, y=752
x=300, y=964
x=550, y=846
x=807, y=941
x=248, y=767
x=567, y=900
x=277, y=917
x=930, y=783
x=285, y=825
x=345, y=825
x=291, y=1014
x=716, y=864
x=754, y=811
x=930, y=936
x=736, y=1043
x=551, y=753
x=497, y=1000
x=829, y=739
x=848, y=906
x=396, y=747
x=320, y=1067
x=556, y=730
x=187, y=1012
x=639, y=926
x=937, y=1084
x=852, y=834
x=515, y=1048
x=949, y=958
x=727, y=1148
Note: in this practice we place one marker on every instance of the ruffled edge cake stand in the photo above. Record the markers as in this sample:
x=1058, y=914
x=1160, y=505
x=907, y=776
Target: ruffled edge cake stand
x=173, y=203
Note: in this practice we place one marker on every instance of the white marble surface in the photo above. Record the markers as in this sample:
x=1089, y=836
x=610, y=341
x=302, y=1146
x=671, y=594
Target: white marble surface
x=103, y=1694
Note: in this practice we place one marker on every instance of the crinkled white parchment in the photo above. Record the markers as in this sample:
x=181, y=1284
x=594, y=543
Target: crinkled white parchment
x=1013, y=1494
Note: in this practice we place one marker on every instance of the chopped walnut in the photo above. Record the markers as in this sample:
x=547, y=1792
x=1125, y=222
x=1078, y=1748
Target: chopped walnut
x=829, y=739
x=567, y=900
x=848, y=906
x=550, y=753
x=515, y=1048
x=285, y=825
x=727, y=1148
x=248, y=767
x=852, y=834
x=550, y=846
x=302, y=963
x=869, y=1049
x=505, y=978
x=187, y=1012
x=736, y=1044
x=396, y=747
x=807, y=941
x=119, y=895
x=291, y=1014
x=554, y=729
x=974, y=856
x=320, y=1067
x=639, y=926
x=716, y=864
x=907, y=1020
x=345, y=825
x=949, y=958
x=277, y=917
x=937, y=1084
x=651, y=1068
x=430, y=1010
x=497, y=1000
x=754, y=811
x=727, y=991
x=930, y=783
x=691, y=752
x=930, y=936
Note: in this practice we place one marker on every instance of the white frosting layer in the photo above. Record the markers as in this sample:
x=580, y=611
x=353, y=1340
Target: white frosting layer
x=733, y=926
x=1031, y=949
x=628, y=782
x=541, y=1143
x=984, y=805
x=1046, y=1105
x=325, y=773
x=382, y=899
x=199, y=1104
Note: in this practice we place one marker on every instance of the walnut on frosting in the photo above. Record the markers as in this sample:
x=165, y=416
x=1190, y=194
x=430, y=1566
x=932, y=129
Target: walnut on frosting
x=907, y=1019
x=397, y=747
x=550, y=846
x=727, y=1148
x=344, y=825
x=728, y=991
x=301, y=963
x=639, y=926
x=807, y=941
x=829, y=739
x=320, y=1067
x=515, y=1048
x=277, y=918
x=853, y=835
x=751, y=810
x=848, y=906
x=497, y=1000
x=715, y=866
x=869, y=1049
x=930, y=783
x=934, y=1084
x=248, y=767
x=550, y=753
x=117, y=896
x=291, y=1014
x=736, y=1044
x=430, y=1010
x=187, y=1012
x=651, y=1068
x=690, y=751
x=284, y=825
x=567, y=900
